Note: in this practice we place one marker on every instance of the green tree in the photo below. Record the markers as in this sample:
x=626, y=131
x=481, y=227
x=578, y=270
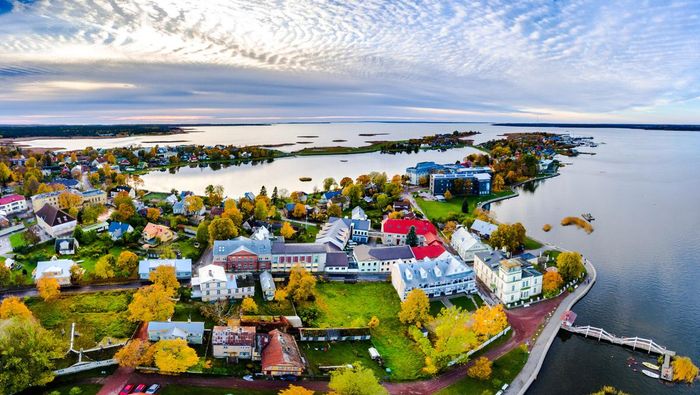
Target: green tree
x=383, y=201
x=465, y=205
x=412, y=237
x=222, y=229
x=328, y=183
x=356, y=381
x=570, y=265
x=275, y=196
x=261, y=210
x=263, y=191
x=203, y=232
x=509, y=236
x=334, y=210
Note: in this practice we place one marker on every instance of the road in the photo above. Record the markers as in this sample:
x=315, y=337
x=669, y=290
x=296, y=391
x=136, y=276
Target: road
x=29, y=292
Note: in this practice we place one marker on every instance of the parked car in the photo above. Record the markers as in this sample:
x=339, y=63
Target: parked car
x=289, y=377
x=153, y=389
x=248, y=377
x=127, y=389
x=140, y=388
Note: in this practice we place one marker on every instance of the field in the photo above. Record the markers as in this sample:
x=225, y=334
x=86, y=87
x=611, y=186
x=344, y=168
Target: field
x=435, y=210
x=97, y=315
x=187, y=248
x=17, y=240
x=338, y=353
x=504, y=371
x=343, y=305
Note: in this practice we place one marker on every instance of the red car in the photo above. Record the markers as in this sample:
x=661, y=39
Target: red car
x=140, y=388
x=126, y=390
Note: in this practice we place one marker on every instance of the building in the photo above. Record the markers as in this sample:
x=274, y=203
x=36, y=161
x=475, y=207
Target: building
x=13, y=204
x=380, y=259
x=483, y=228
x=42, y=199
x=117, y=230
x=311, y=256
x=474, y=183
x=511, y=280
x=260, y=233
x=192, y=332
x=122, y=188
x=445, y=275
x=183, y=267
x=213, y=283
x=432, y=251
x=336, y=261
x=236, y=342
x=422, y=171
x=93, y=196
x=336, y=232
x=281, y=356
x=243, y=254
x=66, y=246
x=267, y=284
x=154, y=234
x=55, y=268
x=466, y=244
x=55, y=222
x=394, y=231
x=359, y=213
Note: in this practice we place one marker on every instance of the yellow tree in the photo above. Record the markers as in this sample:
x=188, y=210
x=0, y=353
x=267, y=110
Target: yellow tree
x=302, y=284
x=295, y=390
x=452, y=334
x=358, y=380
x=481, y=369
x=551, y=283
x=194, y=203
x=334, y=210
x=281, y=295
x=166, y=277
x=248, y=306
x=222, y=229
x=416, y=308
x=373, y=322
x=69, y=200
x=152, y=214
x=128, y=263
x=489, y=321
x=570, y=265
x=13, y=307
x=287, y=231
x=132, y=354
x=684, y=370
x=498, y=183
x=104, y=268
x=151, y=303
x=48, y=288
x=299, y=210
x=448, y=195
x=174, y=356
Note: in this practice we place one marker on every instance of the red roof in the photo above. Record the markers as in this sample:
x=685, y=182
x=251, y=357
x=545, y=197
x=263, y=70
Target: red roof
x=402, y=226
x=10, y=199
x=430, y=251
x=281, y=352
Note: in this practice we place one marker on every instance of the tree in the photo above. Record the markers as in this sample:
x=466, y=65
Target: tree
x=295, y=390
x=76, y=274
x=510, y=237
x=151, y=303
x=481, y=370
x=68, y=200
x=453, y=336
x=281, y=295
x=75, y=391
x=5, y=174
x=174, y=356
x=489, y=321
x=299, y=210
x=275, y=195
x=449, y=229
x=412, y=237
x=232, y=212
x=345, y=181
x=132, y=354
x=383, y=201
x=248, y=306
x=222, y=229
x=570, y=265
x=448, y=195
x=328, y=183
x=358, y=380
x=215, y=194
x=12, y=306
x=203, y=232
x=498, y=183
x=465, y=205
x=104, y=268
x=128, y=263
x=287, y=231
x=261, y=210
x=373, y=322
x=416, y=308
x=48, y=288
x=123, y=198
x=5, y=276
x=91, y=212
x=334, y=210
x=684, y=369
x=302, y=284
x=124, y=212
x=166, y=277
x=167, y=252
x=609, y=390
x=354, y=192
x=194, y=204
x=551, y=283
x=152, y=214
x=263, y=191
x=28, y=351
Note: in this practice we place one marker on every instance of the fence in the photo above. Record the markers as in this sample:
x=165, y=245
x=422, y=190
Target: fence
x=481, y=347
x=85, y=366
x=333, y=334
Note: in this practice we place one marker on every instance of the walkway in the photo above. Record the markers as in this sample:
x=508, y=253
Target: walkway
x=30, y=292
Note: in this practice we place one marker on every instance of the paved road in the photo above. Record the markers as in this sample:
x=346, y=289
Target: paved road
x=206, y=258
x=21, y=293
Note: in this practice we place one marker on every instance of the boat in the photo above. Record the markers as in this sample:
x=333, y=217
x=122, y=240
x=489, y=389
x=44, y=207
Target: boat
x=651, y=374
x=651, y=365
x=588, y=217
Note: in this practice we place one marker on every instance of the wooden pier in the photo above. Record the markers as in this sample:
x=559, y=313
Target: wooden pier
x=636, y=343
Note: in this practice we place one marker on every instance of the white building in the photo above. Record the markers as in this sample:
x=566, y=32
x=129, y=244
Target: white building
x=213, y=284
x=55, y=268
x=267, y=284
x=183, y=267
x=237, y=342
x=467, y=244
x=54, y=221
x=12, y=204
x=445, y=275
x=511, y=280
x=380, y=259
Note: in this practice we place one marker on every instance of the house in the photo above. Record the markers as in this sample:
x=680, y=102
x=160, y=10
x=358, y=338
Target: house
x=68, y=183
x=281, y=356
x=250, y=196
x=117, y=230
x=445, y=275
x=466, y=244
x=154, y=234
x=213, y=283
x=171, y=199
x=183, y=267
x=236, y=342
x=482, y=228
x=336, y=232
x=311, y=256
x=42, y=199
x=511, y=280
x=432, y=251
x=261, y=233
x=243, y=254
x=55, y=222
x=394, y=231
x=380, y=259
x=93, y=196
x=55, y=268
x=402, y=206
x=13, y=204
x=359, y=214
x=336, y=261
x=267, y=284
x=122, y=188
x=192, y=332
x=66, y=246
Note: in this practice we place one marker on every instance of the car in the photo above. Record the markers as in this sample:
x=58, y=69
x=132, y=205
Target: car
x=248, y=378
x=127, y=389
x=153, y=389
x=289, y=377
x=140, y=388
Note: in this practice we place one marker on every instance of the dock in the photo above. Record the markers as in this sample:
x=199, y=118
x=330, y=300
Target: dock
x=635, y=343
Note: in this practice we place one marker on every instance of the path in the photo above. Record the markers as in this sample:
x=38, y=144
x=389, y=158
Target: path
x=206, y=258
x=30, y=292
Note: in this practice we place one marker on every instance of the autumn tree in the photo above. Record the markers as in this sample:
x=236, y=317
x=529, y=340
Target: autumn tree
x=302, y=284
x=287, y=231
x=151, y=303
x=449, y=229
x=448, y=195
x=5, y=174
x=684, y=370
x=334, y=210
x=232, y=212
x=261, y=210
x=510, y=237
x=328, y=183
x=416, y=308
x=128, y=263
x=105, y=266
x=357, y=380
x=281, y=295
x=194, y=204
x=248, y=306
x=354, y=192
x=68, y=200
x=295, y=390
x=222, y=229
x=12, y=306
x=551, y=283
x=152, y=214
x=498, y=183
x=373, y=322
x=173, y=356
x=412, y=237
x=481, y=369
x=165, y=276
x=215, y=194
x=570, y=265
x=5, y=276
x=489, y=321
x=299, y=210
x=132, y=354
x=609, y=390
x=48, y=288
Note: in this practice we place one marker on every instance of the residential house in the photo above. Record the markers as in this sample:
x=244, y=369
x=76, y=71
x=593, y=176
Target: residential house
x=117, y=230
x=243, y=254
x=267, y=284
x=359, y=214
x=403, y=206
x=235, y=342
x=430, y=251
x=380, y=259
x=445, y=275
x=395, y=231
x=122, y=188
x=55, y=222
x=336, y=232
x=466, y=244
x=511, y=280
x=192, y=332
x=213, y=283
x=13, y=204
x=66, y=245
x=281, y=356
x=154, y=234
x=68, y=183
x=260, y=233
x=183, y=267
x=482, y=228
x=54, y=268
x=171, y=199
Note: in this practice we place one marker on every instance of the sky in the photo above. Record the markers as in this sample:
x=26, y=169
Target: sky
x=234, y=61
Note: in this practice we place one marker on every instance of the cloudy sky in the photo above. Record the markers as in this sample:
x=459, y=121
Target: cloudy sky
x=228, y=61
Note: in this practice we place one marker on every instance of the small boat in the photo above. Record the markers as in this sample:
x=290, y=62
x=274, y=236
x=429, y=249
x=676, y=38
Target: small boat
x=651, y=374
x=588, y=217
x=651, y=365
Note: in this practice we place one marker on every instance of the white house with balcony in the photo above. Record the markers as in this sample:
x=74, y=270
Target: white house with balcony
x=213, y=284
x=511, y=280
x=444, y=275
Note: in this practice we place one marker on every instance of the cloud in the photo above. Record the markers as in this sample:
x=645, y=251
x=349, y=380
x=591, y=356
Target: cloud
x=490, y=59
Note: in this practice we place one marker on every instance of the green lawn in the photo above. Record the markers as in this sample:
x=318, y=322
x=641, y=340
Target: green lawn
x=179, y=389
x=157, y=196
x=435, y=210
x=435, y=307
x=97, y=315
x=479, y=301
x=187, y=248
x=190, y=310
x=343, y=305
x=464, y=302
x=87, y=389
x=337, y=354
x=532, y=244
x=17, y=240
x=504, y=371
x=272, y=307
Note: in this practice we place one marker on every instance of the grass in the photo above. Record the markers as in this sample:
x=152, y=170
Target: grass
x=179, y=389
x=479, y=301
x=96, y=315
x=158, y=196
x=190, y=310
x=87, y=389
x=435, y=307
x=504, y=371
x=464, y=302
x=531, y=244
x=187, y=248
x=338, y=353
x=272, y=307
x=435, y=210
x=17, y=240
x=343, y=305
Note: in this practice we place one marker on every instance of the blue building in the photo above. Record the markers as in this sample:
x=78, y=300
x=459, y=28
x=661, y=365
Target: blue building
x=478, y=182
x=183, y=267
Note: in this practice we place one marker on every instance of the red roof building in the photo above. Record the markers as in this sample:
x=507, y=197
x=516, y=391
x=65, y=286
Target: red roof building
x=430, y=251
x=395, y=231
x=281, y=356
